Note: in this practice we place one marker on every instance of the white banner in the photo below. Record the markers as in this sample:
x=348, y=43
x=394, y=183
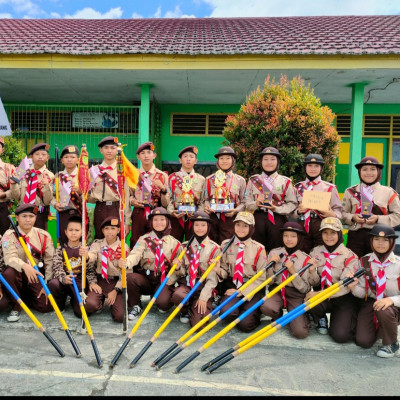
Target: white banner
x=97, y=120
x=5, y=129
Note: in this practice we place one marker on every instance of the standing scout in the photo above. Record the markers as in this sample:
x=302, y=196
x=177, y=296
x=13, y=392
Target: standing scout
x=151, y=191
x=272, y=197
x=104, y=191
x=367, y=204
x=21, y=276
x=36, y=187
x=224, y=194
x=311, y=219
x=6, y=170
x=187, y=194
x=244, y=258
x=380, y=289
x=70, y=203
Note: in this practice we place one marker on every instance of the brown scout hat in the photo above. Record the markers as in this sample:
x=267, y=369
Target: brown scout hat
x=314, y=159
x=160, y=211
x=145, y=146
x=108, y=140
x=200, y=216
x=246, y=217
x=271, y=151
x=382, y=230
x=369, y=161
x=26, y=208
x=293, y=226
x=189, y=149
x=71, y=149
x=39, y=146
x=331, y=223
x=110, y=221
x=225, y=151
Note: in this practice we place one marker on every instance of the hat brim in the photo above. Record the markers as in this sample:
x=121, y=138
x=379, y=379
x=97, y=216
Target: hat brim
x=359, y=165
x=330, y=227
x=292, y=230
x=162, y=215
x=225, y=154
x=386, y=237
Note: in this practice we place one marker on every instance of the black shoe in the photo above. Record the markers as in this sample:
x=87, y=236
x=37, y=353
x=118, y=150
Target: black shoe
x=322, y=327
x=389, y=350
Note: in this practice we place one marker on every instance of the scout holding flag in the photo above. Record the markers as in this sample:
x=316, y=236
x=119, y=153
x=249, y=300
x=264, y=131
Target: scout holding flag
x=367, y=204
x=311, y=219
x=272, y=197
x=151, y=191
x=224, y=195
x=187, y=194
x=35, y=184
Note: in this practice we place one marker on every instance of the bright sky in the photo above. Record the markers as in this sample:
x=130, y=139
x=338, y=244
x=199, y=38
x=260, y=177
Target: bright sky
x=192, y=8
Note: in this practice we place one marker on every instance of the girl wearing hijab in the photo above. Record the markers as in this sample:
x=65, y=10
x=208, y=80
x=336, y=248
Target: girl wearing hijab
x=272, y=198
x=224, y=195
x=200, y=254
x=151, y=259
x=331, y=263
x=380, y=288
x=367, y=204
x=293, y=294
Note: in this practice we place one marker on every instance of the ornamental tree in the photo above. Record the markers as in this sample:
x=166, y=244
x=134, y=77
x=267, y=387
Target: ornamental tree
x=288, y=116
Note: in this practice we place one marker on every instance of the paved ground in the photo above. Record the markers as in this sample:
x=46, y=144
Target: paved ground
x=281, y=365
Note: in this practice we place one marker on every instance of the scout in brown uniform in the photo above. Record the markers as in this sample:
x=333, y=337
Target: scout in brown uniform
x=104, y=191
x=151, y=258
x=37, y=186
x=104, y=272
x=293, y=294
x=224, y=195
x=311, y=219
x=61, y=284
x=272, y=197
x=151, y=191
x=380, y=287
x=21, y=276
x=69, y=205
x=6, y=171
x=367, y=204
x=199, y=256
x=187, y=194
x=244, y=258
x=332, y=261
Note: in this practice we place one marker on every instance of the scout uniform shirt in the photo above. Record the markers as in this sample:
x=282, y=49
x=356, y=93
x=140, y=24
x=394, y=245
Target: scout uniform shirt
x=299, y=259
x=60, y=269
x=157, y=199
x=284, y=197
x=44, y=194
x=236, y=188
x=105, y=189
x=386, y=206
x=145, y=251
x=208, y=251
x=342, y=260
x=6, y=170
x=175, y=182
x=113, y=255
x=254, y=257
x=75, y=201
x=319, y=185
x=391, y=280
x=42, y=249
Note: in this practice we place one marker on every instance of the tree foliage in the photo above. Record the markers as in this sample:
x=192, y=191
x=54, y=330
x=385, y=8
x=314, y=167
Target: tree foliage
x=13, y=151
x=288, y=116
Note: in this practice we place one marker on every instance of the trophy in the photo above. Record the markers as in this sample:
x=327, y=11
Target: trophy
x=146, y=192
x=25, y=164
x=268, y=193
x=186, y=204
x=221, y=201
x=366, y=201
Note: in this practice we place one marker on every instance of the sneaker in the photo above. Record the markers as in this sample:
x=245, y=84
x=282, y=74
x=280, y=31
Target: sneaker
x=184, y=318
x=134, y=312
x=216, y=300
x=161, y=311
x=389, y=350
x=14, y=316
x=322, y=327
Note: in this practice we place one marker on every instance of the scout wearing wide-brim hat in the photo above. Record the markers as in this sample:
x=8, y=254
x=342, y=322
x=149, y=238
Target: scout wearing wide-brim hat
x=108, y=140
x=293, y=227
x=160, y=211
x=331, y=223
x=110, y=221
x=246, y=217
x=271, y=151
x=26, y=208
x=71, y=149
x=200, y=216
x=369, y=161
x=384, y=231
x=39, y=146
x=145, y=146
x=189, y=149
x=225, y=151
x=314, y=159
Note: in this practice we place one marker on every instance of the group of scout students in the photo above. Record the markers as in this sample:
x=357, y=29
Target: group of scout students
x=266, y=216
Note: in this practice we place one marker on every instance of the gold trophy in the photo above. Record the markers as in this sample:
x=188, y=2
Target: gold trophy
x=221, y=201
x=187, y=200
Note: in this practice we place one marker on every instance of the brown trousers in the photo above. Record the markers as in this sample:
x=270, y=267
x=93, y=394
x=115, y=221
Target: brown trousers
x=101, y=212
x=94, y=301
x=148, y=285
x=28, y=292
x=5, y=301
x=267, y=233
x=4, y=221
x=299, y=327
x=358, y=242
x=366, y=331
x=42, y=218
x=140, y=225
x=314, y=237
x=181, y=233
x=220, y=229
x=60, y=293
x=343, y=320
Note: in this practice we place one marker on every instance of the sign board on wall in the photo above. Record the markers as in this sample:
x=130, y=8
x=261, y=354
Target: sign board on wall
x=94, y=120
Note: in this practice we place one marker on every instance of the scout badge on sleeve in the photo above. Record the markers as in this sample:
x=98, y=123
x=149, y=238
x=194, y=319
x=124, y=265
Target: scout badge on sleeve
x=221, y=202
x=366, y=201
x=24, y=165
x=187, y=200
